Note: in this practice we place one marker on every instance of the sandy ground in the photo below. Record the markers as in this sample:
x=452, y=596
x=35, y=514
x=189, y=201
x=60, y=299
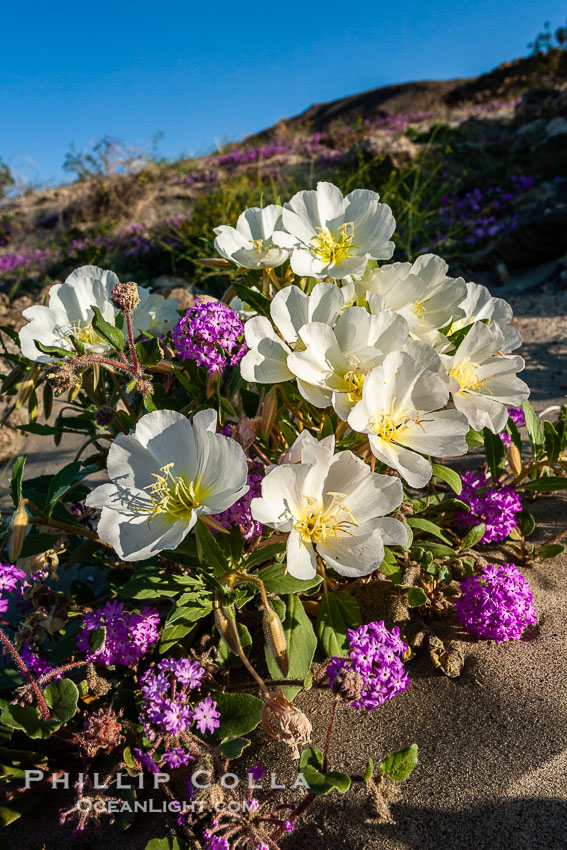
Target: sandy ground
x=492, y=771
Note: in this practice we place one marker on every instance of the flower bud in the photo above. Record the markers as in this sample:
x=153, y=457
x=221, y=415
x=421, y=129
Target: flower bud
x=19, y=526
x=269, y=411
x=275, y=638
x=514, y=458
x=348, y=685
x=63, y=378
x=294, y=726
x=125, y=296
x=105, y=415
x=226, y=624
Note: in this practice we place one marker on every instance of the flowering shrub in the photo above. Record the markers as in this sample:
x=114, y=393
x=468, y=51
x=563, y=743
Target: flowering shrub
x=269, y=457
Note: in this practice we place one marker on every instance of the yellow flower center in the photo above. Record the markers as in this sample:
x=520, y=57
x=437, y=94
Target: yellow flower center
x=355, y=379
x=391, y=424
x=172, y=495
x=467, y=376
x=261, y=245
x=419, y=310
x=332, y=248
x=86, y=334
x=316, y=523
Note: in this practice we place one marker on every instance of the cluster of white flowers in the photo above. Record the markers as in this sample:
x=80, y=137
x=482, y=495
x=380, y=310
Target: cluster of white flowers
x=403, y=353
x=68, y=314
x=382, y=348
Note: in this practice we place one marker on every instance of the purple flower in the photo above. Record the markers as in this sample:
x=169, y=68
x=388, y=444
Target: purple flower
x=177, y=757
x=256, y=772
x=497, y=604
x=206, y=716
x=491, y=503
x=211, y=334
x=129, y=635
x=506, y=438
x=517, y=416
x=376, y=660
x=36, y=665
x=146, y=761
x=10, y=577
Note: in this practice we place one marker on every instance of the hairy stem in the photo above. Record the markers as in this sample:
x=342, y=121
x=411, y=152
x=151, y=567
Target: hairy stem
x=22, y=665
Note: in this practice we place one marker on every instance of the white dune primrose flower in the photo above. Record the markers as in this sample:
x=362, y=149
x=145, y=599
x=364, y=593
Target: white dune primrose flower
x=420, y=292
x=400, y=412
x=479, y=304
x=332, y=363
x=482, y=380
x=250, y=243
x=334, y=507
x=266, y=361
x=334, y=236
x=68, y=313
x=164, y=476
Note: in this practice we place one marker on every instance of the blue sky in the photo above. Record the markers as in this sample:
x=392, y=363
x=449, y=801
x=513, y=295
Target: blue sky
x=205, y=73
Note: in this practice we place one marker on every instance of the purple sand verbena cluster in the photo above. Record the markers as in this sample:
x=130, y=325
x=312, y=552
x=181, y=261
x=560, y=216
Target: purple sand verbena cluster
x=129, y=635
x=491, y=503
x=497, y=604
x=167, y=713
x=211, y=334
x=10, y=578
x=376, y=655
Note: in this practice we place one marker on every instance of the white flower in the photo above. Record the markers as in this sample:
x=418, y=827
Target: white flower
x=422, y=293
x=335, y=361
x=68, y=314
x=484, y=380
x=333, y=236
x=154, y=314
x=250, y=243
x=164, y=476
x=291, y=309
x=400, y=413
x=293, y=454
x=479, y=304
x=332, y=506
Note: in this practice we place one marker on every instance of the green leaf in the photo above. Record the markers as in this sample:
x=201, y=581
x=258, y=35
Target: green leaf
x=300, y=640
x=473, y=537
x=416, y=597
x=535, y=429
x=16, y=480
x=494, y=451
x=551, y=550
x=398, y=766
x=449, y=476
x=113, y=335
x=52, y=349
x=62, y=480
x=149, y=352
x=277, y=581
x=166, y=844
x=548, y=483
x=390, y=567
x=61, y=696
x=338, y=612
x=233, y=748
x=266, y=553
x=96, y=638
x=440, y=550
x=174, y=633
x=369, y=770
x=552, y=441
x=149, y=403
x=514, y=434
x=210, y=551
x=474, y=439
x=11, y=811
x=431, y=527
x=240, y=714
x=526, y=523
x=252, y=297
x=311, y=766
